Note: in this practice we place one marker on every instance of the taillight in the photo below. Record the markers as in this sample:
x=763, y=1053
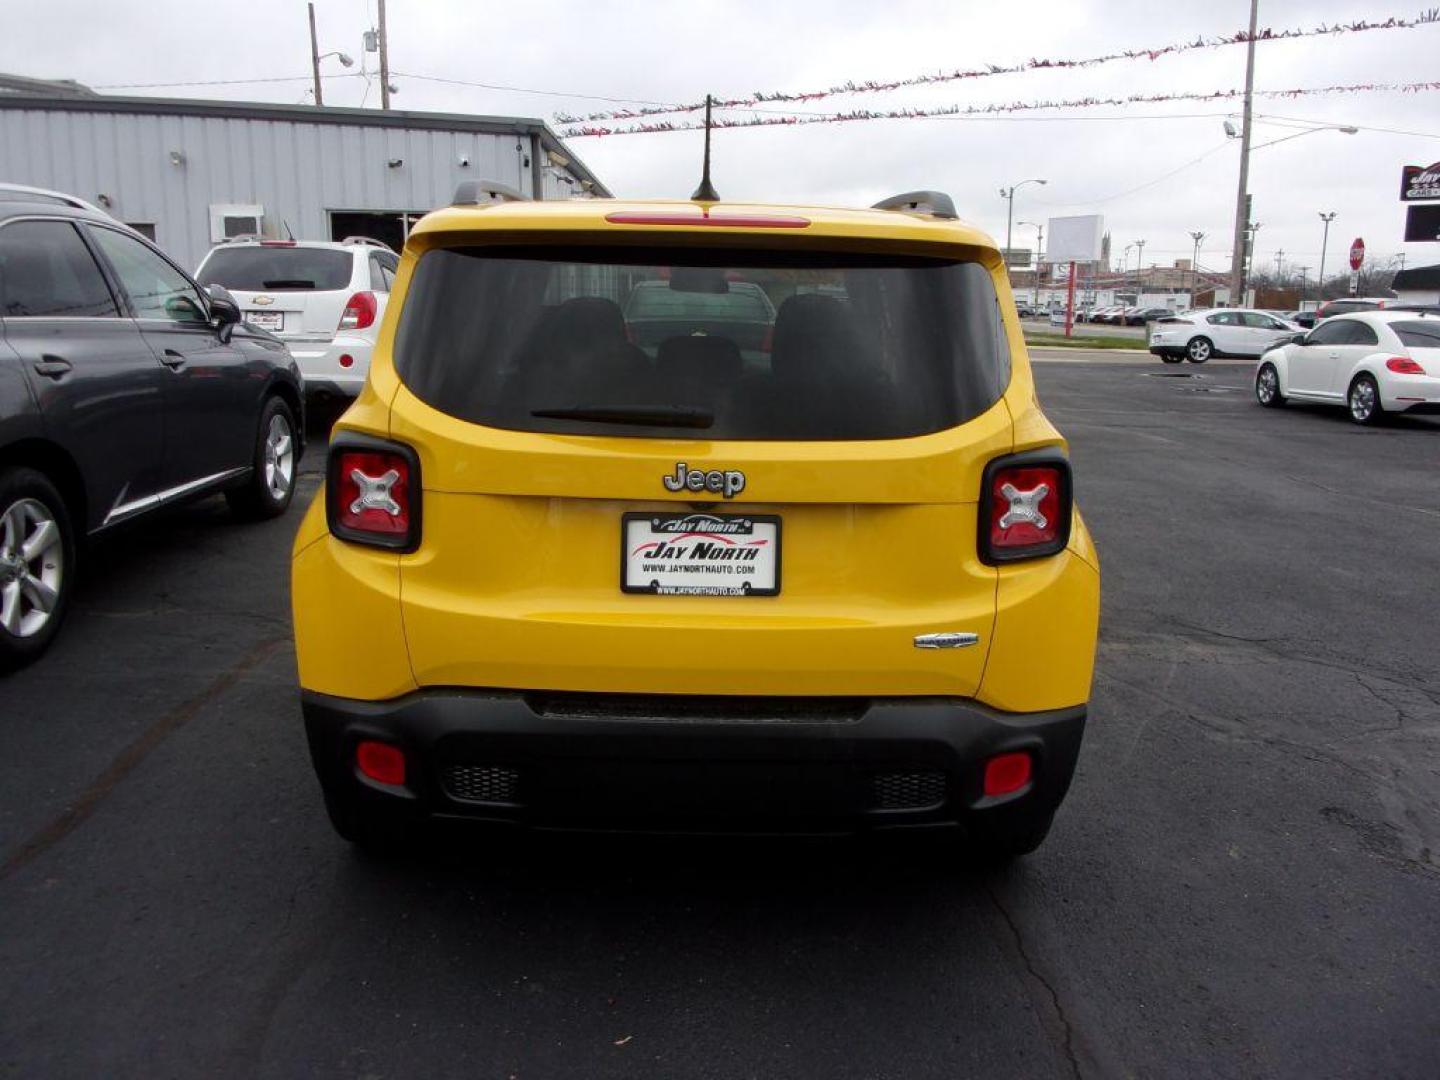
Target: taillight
x=359, y=312
x=1403, y=365
x=372, y=492
x=1025, y=506
x=767, y=343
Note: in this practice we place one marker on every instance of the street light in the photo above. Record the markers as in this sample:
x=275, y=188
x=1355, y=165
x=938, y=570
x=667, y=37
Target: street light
x=316, y=57
x=1238, y=256
x=1009, y=196
x=1324, y=242
x=1197, y=236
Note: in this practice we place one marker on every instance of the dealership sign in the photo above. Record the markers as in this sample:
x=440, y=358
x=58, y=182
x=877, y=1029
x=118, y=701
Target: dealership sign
x=1417, y=184
x=1422, y=224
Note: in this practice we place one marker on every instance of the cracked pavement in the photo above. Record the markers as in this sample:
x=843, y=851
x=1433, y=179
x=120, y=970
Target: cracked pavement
x=1245, y=880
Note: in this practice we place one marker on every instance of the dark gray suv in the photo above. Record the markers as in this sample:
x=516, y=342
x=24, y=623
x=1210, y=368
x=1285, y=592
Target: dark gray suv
x=124, y=387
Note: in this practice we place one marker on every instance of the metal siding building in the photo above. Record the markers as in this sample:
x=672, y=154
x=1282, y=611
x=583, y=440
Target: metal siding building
x=183, y=167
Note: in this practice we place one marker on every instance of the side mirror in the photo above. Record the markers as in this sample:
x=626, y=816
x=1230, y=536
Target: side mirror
x=224, y=311
x=1298, y=339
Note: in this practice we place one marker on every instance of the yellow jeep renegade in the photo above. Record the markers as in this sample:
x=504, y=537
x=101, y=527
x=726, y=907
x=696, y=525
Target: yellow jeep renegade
x=697, y=515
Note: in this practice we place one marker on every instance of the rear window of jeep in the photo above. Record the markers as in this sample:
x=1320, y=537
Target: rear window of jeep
x=724, y=344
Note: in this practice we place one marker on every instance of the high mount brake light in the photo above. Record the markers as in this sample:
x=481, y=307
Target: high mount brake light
x=1025, y=504
x=1403, y=365
x=359, y=312
x=693, y=217
x=372, y=493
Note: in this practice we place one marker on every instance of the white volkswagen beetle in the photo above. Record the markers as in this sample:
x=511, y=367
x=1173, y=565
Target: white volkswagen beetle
x=1373, y=362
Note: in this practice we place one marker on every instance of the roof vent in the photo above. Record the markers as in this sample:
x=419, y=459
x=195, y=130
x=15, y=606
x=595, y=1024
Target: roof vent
x=484, y=192
x=934, y=204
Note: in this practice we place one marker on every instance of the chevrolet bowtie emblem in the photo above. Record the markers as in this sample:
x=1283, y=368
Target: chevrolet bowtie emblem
x=263, y=300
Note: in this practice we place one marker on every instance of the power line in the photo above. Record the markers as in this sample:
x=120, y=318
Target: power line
x=527, y=90
x=222, y=82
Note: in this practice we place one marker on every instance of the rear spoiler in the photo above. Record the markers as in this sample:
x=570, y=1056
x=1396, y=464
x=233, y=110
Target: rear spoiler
x=485, y=192
x=934, y=204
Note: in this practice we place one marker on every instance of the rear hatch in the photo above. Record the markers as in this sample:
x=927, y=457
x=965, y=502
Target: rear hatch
x=707, y=512
x=297, y=293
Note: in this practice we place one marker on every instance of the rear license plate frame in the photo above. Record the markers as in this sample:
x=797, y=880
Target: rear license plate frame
x=727, y=532
x=273, y=321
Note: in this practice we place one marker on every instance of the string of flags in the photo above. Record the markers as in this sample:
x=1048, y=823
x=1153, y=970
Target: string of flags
x=996, y=108
x=1428, y=17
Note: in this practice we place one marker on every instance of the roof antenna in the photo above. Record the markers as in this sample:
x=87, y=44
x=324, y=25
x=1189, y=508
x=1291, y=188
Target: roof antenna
x=706, y=191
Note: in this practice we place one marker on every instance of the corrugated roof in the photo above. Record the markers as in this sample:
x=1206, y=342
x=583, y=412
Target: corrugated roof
x=82, y=99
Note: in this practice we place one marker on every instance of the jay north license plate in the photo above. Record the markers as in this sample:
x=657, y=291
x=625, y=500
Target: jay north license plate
x=700, y=554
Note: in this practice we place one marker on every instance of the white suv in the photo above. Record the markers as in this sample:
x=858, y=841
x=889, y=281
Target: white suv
x=324, y=300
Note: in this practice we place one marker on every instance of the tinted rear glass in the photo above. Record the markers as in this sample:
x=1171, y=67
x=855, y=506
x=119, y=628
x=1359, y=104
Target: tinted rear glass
x=1420, y=334
x=748, y=345
x=277, y=269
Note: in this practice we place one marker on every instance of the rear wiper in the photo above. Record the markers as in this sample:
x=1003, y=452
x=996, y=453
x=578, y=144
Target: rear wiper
x=645, y=415
x=289, y=283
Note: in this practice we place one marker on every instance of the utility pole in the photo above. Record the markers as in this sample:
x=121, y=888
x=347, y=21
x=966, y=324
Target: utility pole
x=385, y=64
x=1197, y=236
x=1324, y=243
x=1304, y=273
x=315, y=56
x=1279, y=265
x=1139, y=268
x=1237, y=254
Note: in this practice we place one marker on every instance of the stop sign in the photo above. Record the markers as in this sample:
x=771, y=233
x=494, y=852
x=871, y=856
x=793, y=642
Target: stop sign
x=1357, y=253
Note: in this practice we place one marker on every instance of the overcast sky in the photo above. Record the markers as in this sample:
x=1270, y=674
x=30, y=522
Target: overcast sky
x=672, y=52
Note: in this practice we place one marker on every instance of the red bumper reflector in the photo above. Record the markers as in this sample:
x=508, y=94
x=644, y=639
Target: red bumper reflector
x=1005, y=773
x=381, y=762
x=346, y=360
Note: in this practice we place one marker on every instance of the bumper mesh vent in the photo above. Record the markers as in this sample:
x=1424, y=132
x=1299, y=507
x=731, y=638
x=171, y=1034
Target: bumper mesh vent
x=907, y=790
x=481, y=783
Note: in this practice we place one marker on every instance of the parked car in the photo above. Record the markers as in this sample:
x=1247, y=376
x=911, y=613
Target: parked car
x=124, y=387
x=655, y=313
x=565, y=616
x=324, y=300
x=1198, y=335
x=1303, y=319
x=1141, y=316
x=1027, y=311
x=1105, y=314
x=1346, y=305
x=1374, y=363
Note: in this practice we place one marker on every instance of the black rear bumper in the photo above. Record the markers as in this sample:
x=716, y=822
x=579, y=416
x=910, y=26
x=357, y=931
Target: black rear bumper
x=657, y=762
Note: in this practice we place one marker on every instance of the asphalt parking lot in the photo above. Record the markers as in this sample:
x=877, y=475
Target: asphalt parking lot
x=1245, y=880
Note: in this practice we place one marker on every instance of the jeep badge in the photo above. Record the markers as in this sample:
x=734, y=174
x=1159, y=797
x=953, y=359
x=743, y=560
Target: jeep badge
x=728, y=483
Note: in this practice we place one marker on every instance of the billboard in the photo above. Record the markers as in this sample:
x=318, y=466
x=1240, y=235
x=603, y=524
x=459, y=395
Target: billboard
x=1422, y=223
x=1017, y=258
x=1075, y=239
